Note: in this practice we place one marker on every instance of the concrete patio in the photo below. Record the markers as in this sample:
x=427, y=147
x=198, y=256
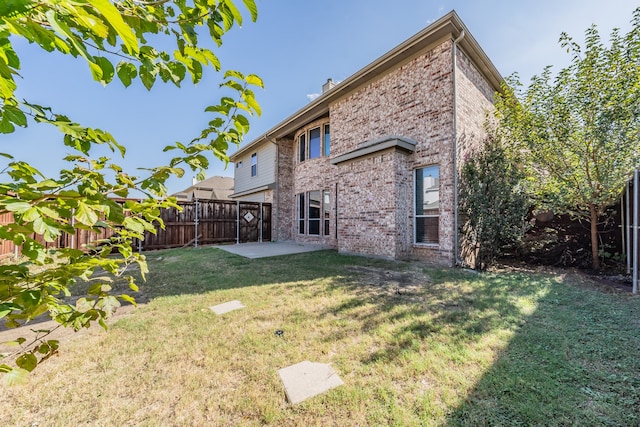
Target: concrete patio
x=269, y=249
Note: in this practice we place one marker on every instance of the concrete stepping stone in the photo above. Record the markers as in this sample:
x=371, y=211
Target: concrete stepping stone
x=227, y=307
x=307, y=379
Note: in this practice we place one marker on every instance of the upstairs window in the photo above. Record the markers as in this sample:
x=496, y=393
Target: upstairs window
x=314, y=143
x=239, y=165
x=327, y=141
x=254, y=164
x=302, y=143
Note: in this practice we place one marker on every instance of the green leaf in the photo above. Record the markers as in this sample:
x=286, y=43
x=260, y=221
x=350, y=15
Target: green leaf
x=126, y=72
x=15, y=115
x=6, y=126
x=17, y=206
x=28, y=362
x=255, y=80
x=85, y=215
x=30, y=298
x=107, y=69
x=253, y=9
x=233, y=73
x=128, y=299
x=114, y=18
x=133, y=224
x=109, y=304
x=148, y=75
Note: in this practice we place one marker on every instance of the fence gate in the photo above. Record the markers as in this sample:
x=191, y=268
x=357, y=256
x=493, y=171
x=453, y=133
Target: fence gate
x=250, y=220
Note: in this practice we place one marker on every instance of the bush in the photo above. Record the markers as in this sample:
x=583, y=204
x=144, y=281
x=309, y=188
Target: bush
x=492, y=203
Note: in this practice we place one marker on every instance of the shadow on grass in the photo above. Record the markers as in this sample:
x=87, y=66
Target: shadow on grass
x=464, y=307
x=193, y=271
x=572, y=357
x=574, y=361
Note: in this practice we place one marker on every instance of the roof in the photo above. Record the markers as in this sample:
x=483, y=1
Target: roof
x=450, y=26
x=214, y=188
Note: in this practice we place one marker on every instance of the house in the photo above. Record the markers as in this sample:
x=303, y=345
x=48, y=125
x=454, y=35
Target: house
x=214, y=188
x=369, y=167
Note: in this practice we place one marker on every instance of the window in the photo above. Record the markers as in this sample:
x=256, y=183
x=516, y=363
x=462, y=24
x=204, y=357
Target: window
x=325, y=210
x=315, y=203
x=302, y=144
x=313, y=212
x=254, y=164
x=314, y=143
x=427, y=217
x=301, y=227
x=327, y=141
x=239, y=165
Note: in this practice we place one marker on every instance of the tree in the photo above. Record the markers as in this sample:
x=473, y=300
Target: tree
x=580, y=131
x=113, y=39
x=493, y=202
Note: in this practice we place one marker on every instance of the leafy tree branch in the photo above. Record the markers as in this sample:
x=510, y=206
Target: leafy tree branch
x=82, y=195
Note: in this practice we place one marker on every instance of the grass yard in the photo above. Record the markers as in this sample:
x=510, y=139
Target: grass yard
x=414, y=346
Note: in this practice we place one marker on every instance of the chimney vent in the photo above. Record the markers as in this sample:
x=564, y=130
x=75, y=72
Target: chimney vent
x=328, y=85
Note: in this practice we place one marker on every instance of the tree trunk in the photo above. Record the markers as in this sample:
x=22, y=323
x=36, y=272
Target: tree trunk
x=595, y=259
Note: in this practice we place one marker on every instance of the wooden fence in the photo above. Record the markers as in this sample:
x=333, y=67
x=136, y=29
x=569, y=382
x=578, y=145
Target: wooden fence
x=205, y=222
x=201, y=222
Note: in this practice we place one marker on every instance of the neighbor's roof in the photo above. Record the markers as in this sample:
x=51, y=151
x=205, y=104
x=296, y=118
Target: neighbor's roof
x=215, y=188
x=449, y=26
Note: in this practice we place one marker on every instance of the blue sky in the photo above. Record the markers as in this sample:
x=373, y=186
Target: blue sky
x=295, y=46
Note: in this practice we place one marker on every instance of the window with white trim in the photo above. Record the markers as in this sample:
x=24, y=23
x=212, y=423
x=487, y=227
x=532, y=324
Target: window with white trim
x=427, y=205
x=254, y=164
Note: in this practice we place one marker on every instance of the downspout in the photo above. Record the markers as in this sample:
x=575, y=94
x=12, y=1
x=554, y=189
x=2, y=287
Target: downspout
x=456, y=244
x=276, y=199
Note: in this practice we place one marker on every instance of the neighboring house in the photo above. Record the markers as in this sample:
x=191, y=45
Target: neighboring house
x=369, y=167
x=214, y=188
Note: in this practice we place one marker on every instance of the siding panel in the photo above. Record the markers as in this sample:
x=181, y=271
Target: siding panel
x=266, y=169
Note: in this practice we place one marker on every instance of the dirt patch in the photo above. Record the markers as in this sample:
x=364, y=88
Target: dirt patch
x=603, y=281
x=381, y=281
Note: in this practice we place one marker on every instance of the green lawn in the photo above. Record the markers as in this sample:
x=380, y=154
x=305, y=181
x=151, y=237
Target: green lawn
x=452, y=348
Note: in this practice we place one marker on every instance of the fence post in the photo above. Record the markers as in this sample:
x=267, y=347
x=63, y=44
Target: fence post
x=636, y=226
x=195, y=245
x=260, y=224
x=73, y=225
x=238, y=223
x=627, y=230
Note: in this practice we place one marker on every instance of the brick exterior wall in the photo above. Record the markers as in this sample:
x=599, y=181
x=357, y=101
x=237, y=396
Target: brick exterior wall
x=372, y=197
x=474, y=98
x=284, y=207
x=414, y=101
